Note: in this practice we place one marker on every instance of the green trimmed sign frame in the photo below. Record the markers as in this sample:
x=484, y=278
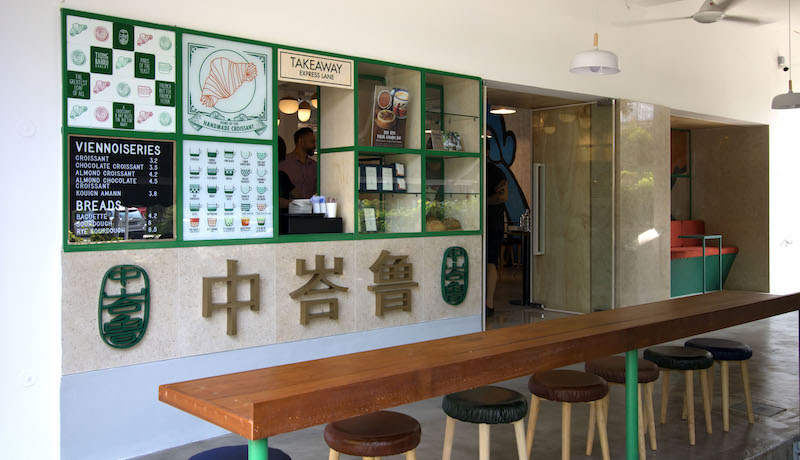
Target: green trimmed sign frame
x=73, y=81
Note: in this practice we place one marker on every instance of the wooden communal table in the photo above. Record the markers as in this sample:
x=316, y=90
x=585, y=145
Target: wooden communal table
x=266, y=402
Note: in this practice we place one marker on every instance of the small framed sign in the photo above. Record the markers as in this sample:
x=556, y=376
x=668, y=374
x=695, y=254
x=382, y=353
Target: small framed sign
x=400, y=185
x=387, y=179
x=399, y=170
x=370, y=220
x=369, y=178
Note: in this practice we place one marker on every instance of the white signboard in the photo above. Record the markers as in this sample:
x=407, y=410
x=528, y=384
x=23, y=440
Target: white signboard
x=227, y=89
x=120, y=76
x=227, y=191
x=315, y=69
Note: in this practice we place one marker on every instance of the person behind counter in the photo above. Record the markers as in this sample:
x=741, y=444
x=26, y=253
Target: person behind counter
x=302, y=170
x=286, y=189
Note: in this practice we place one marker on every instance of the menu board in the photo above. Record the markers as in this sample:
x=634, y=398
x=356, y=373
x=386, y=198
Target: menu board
x=389, y=116
x=227, y=191
x=120, y=189
x=119, y=76
x=227, y=88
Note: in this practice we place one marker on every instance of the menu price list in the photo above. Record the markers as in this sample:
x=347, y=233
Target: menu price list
x=120, y=189
x=227, y=191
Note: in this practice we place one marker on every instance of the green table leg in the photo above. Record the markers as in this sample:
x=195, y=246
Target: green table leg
x=632, y=405
x=257, y=450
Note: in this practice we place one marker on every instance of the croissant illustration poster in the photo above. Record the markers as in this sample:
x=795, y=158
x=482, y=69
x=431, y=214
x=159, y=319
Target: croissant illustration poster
x=119, y=76
x=226, y=88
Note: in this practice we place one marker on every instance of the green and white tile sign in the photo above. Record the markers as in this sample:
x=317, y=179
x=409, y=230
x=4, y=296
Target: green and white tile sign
x=120, y=76
x=227, y=88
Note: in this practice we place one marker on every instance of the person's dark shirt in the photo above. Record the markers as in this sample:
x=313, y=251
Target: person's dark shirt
x=495, y=213
x=285, y=185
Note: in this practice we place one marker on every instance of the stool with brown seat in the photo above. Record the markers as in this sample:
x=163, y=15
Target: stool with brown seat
x=723, y=351
x=686, y=360
x=485, y=406
x=612, y=370
x=374, y=435
x=568, y=387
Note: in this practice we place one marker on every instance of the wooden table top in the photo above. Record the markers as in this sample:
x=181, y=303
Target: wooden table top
x=266, y=402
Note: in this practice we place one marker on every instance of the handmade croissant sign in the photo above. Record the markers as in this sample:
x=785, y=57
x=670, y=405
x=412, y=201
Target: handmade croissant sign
x=228, y=90
x=225, y=78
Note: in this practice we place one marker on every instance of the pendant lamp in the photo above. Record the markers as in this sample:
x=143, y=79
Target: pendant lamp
x=288, y=105
x=304, y=111
x=790, y=100
x=595, y=62
x=503, y=111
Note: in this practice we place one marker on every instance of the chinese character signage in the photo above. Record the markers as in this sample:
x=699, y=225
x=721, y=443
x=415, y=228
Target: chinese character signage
x=232, y=302
x=119, y=76
x=227, y=88
x=393, y=277
x=227, y=191
x=124, y=306
x=455, y=275
x=327, y=307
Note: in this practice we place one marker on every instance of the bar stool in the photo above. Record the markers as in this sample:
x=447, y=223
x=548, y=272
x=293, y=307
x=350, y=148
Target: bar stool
x=485, y=406
x=568, y=387
x=723, y=351
x=374, y=435
x=686, y=360
x=612, y=370
x=236, y=453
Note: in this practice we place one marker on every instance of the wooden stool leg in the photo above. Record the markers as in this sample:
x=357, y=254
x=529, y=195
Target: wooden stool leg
x=664, y=396
x=333, y=455
x=711, y=382
x=726, y=422
x=449, y=429
x=411, y=454
x=747, y=397
x=706, y=399
x=651, y=417
x=483, y=441
x=690, y=403
x=590, y=430
x=642, y=452
x=519, y=432
x=534, y=414
x=566, y=416
x=602, y=425
x=685, y=406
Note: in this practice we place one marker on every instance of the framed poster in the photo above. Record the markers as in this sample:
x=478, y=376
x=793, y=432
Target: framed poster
x=390, y=110
x=387, y=178
x=370, y=220
x=227, y=88
x=227, y=191
x=120, y=189
x=119, y=76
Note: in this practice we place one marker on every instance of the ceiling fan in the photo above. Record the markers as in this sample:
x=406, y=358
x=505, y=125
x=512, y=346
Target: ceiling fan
x=710, y=11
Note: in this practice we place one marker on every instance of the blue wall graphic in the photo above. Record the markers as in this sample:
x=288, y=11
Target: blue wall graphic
x=501, y=149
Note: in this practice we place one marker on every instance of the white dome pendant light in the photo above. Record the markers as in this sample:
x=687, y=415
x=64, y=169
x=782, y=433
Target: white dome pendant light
x=595, y=62
x=790, y=100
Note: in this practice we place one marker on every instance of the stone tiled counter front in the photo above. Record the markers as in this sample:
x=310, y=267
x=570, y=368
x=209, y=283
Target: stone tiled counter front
x=177, y=329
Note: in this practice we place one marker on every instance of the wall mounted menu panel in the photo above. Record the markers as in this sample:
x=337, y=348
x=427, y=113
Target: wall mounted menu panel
x=227, y=191
x=119, y=76
x=227, y=88
x=120, y=189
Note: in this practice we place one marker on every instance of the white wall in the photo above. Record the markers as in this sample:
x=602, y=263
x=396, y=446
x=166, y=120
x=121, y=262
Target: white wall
x=722, y=70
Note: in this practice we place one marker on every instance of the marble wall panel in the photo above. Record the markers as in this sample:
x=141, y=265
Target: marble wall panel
x=177, y=329
x=730, y=192
x=642, y=257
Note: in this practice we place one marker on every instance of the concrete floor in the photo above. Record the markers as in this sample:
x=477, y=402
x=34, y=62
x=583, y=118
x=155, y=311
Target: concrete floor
x=774, y=384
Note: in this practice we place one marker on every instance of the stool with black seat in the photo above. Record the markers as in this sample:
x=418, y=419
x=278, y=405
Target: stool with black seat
x=374, y=435
x=685, y=360
x=723, y=351
x=236, y=453
x=569, y=387
x=485, y=406
x=612, y=370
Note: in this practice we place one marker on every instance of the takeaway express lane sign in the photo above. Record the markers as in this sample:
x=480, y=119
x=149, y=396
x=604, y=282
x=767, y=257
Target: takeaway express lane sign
x=315, y=69
x=120, y=189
